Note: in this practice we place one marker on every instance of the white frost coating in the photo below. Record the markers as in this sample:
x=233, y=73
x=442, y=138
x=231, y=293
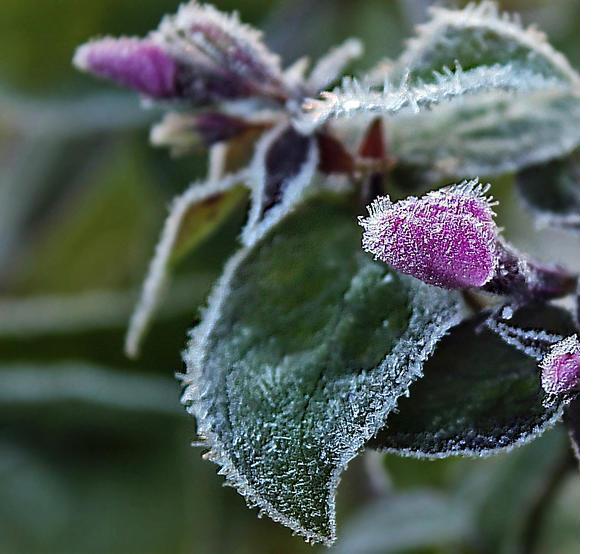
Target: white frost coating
x=353, y=97
x=196, y=397
x=156, y=278
x=295, y=74
x=184, y=34
x=294, y=187
x=484, y=16
x=330, y=66
x=534, y=343
x=523, y=439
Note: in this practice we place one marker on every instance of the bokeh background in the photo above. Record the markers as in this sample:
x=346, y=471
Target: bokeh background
x=95, y=452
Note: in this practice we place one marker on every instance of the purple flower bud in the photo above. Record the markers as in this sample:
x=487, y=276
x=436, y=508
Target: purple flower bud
x=139, y=64
x=560, y=367
x=445, y=238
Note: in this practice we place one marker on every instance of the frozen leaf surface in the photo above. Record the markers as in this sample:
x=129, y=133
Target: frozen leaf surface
x=218, y=56
x=519, y=98
x=478, y=35
x=194, y=215
x=479, y=394
x=304, y=349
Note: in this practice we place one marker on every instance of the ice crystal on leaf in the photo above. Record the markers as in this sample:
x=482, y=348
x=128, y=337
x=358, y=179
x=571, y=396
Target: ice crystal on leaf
x=221, y=58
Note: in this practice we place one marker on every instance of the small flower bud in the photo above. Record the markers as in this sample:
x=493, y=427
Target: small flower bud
x=445, y=238
x=139, y=64
x=560, y=367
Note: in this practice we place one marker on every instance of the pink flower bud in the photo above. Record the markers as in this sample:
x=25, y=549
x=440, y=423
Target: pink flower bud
x=560, y=367
x=139, y=64
x=445, y=238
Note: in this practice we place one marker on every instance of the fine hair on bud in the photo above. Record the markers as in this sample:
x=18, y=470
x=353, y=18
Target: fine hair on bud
x=560, y=367
x=446, y=238
x=139, y=64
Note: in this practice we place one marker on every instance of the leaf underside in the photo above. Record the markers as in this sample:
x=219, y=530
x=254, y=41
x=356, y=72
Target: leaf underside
x=503, y=125
x=305, y=348
x=479, y=395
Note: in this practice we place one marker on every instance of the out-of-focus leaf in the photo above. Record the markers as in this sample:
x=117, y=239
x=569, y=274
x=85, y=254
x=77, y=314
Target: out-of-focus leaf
x=59, y=119
x=404, y=522
x=560, y=528
x=194, y=216
x=518, y=98
x=100, y=235
x=25, y=384
x=329, y=67
x=478, y=35
x=60, y=314
x=505, y=492
x=479, y=395
x=551, y=191
x=305, y=347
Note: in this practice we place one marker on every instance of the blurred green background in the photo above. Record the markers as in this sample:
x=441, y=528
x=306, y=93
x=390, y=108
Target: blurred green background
x=95, y=452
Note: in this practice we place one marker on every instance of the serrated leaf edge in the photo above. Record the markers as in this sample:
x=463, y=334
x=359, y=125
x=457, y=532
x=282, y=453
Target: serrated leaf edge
x=523, y=439
x=195, y=393
x=485, y=15
x=355, y=97
x=156, y=278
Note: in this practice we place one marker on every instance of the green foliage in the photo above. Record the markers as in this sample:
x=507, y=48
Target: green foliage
x=302, y=353
x=479, y=395
x=95, y=450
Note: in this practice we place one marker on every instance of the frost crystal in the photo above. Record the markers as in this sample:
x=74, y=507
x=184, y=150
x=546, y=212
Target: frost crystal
x=560, y=367
x=221, y=57
x=139, y=64
x=446, y=238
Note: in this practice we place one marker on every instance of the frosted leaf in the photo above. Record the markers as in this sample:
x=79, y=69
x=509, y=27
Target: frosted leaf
x=295, y=74
x=478, y=35
x=193, y=216
x=446, y=238
x=305, y=347
x=491, y=130
x=329, y=67
x=220, y=58
x=410, y=97
x=479, y=396
x=284, y=165
x=533, y=342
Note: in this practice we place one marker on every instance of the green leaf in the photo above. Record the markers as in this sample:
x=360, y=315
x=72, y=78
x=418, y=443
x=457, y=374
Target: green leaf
x=478, y=35
x=479, y=395
x=508, y=493
x=478, y=94
x=401, y=522
x=194, y=216
x=304, y=349
x=85, y=382
x=551, y=191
